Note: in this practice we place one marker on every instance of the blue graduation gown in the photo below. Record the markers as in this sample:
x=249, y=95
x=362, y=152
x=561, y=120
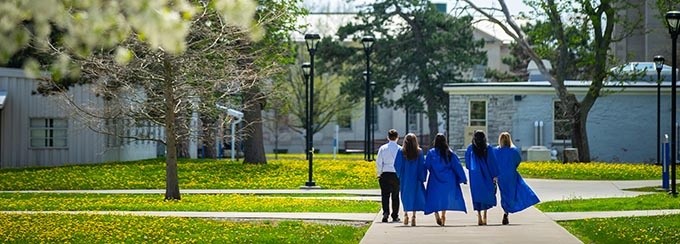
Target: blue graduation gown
x=482, y=171
x=411, y=175
x=516, y=195
x=443, y=185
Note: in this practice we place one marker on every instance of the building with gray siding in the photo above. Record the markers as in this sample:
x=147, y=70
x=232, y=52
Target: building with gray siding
x=621, y=125
x=38, y=130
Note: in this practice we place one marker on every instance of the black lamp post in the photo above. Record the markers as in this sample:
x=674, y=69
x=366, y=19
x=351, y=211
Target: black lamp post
x=311, y=40
x=673, y=21
x=367, y=42
x=658, y=64
x=305, y=72
x=374, y=118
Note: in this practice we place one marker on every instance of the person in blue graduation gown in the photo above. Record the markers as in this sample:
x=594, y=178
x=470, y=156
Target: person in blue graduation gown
x=481, y=165
x=443, y=185
x=410, y=167
x=516, y=195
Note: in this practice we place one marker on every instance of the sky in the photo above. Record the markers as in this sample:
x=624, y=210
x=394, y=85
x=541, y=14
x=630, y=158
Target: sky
x=515, y=6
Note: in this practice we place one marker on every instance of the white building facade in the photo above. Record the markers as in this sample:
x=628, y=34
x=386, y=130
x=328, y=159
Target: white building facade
x=37, y=130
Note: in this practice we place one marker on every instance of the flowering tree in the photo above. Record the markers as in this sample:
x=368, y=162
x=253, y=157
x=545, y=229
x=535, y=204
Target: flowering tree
x=160, y=46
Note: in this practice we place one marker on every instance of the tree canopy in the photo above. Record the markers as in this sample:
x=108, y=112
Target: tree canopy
x=96, y=24
x=415, y=44
x=575, y=36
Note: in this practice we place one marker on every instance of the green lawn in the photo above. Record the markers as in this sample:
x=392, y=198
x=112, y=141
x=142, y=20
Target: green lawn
x=642, y=202
x=349, y=171
x=589, y=171
x=82, y=228
x=195, y=174
x=652, y=229
x=287, y=172
x=189, y=202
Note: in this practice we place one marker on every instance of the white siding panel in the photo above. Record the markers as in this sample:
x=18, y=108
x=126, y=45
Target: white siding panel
x=15, y=122
x=84, y=145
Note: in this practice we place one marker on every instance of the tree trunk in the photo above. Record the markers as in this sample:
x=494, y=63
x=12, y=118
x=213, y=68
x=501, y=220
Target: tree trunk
x=209, y=143
x=171, y=176
x=581, y=137
x=579, y=114
x=253, y=145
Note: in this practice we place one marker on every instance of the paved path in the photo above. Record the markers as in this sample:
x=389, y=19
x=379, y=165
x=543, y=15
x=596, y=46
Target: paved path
x=528, y=226
x=553, y=190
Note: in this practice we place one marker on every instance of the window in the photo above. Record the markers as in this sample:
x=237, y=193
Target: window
x=478, y=73
x=412, y=122
x=344, y=119
x=478, y=113
x=562, y=124
x=114, y=126
x=48, y=133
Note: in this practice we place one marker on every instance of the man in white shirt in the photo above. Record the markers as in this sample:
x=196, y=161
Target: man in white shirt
x=387, y=176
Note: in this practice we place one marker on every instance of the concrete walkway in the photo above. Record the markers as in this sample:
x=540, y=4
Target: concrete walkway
x=528, y=226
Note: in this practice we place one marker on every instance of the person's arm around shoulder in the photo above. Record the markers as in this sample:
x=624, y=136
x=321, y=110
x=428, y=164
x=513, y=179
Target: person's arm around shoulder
x=468, y=157
x=399, y=163
x=422, y=172
x=493, y=163
x=428, y=160
x=458, y=169
x=517, y=157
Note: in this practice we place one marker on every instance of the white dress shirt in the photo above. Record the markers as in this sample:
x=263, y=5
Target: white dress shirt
x=386, y=155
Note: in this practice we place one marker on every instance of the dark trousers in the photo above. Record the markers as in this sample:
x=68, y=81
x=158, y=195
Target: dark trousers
x=389, y=188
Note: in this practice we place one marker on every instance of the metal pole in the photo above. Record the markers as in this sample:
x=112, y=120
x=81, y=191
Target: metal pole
x=664, y=170
x=367, y=127
x=307, y=116
x=373, y=121
x=233, y=141
x=658, y=116
x=310, y=132
x=674, y=149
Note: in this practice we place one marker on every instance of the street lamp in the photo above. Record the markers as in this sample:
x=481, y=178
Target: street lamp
x=367, y=42
x=311, y=40
x=658, y=64
x=673, y=21
x=305, y=72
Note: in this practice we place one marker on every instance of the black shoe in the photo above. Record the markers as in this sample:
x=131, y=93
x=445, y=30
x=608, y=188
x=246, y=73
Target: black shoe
x=384, y=220
x=397, y=219
x=505, y=219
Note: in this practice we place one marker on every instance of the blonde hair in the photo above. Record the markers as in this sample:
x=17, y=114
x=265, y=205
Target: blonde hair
x=504, y=140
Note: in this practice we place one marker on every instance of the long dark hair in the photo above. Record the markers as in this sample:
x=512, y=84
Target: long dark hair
x=443, y=147
x=410, y=147
x=479, y=144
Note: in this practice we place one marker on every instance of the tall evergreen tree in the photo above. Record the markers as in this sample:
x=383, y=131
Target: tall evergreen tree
x=416, y=44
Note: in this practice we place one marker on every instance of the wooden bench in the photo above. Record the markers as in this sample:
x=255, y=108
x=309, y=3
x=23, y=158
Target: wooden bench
x=354, y=147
